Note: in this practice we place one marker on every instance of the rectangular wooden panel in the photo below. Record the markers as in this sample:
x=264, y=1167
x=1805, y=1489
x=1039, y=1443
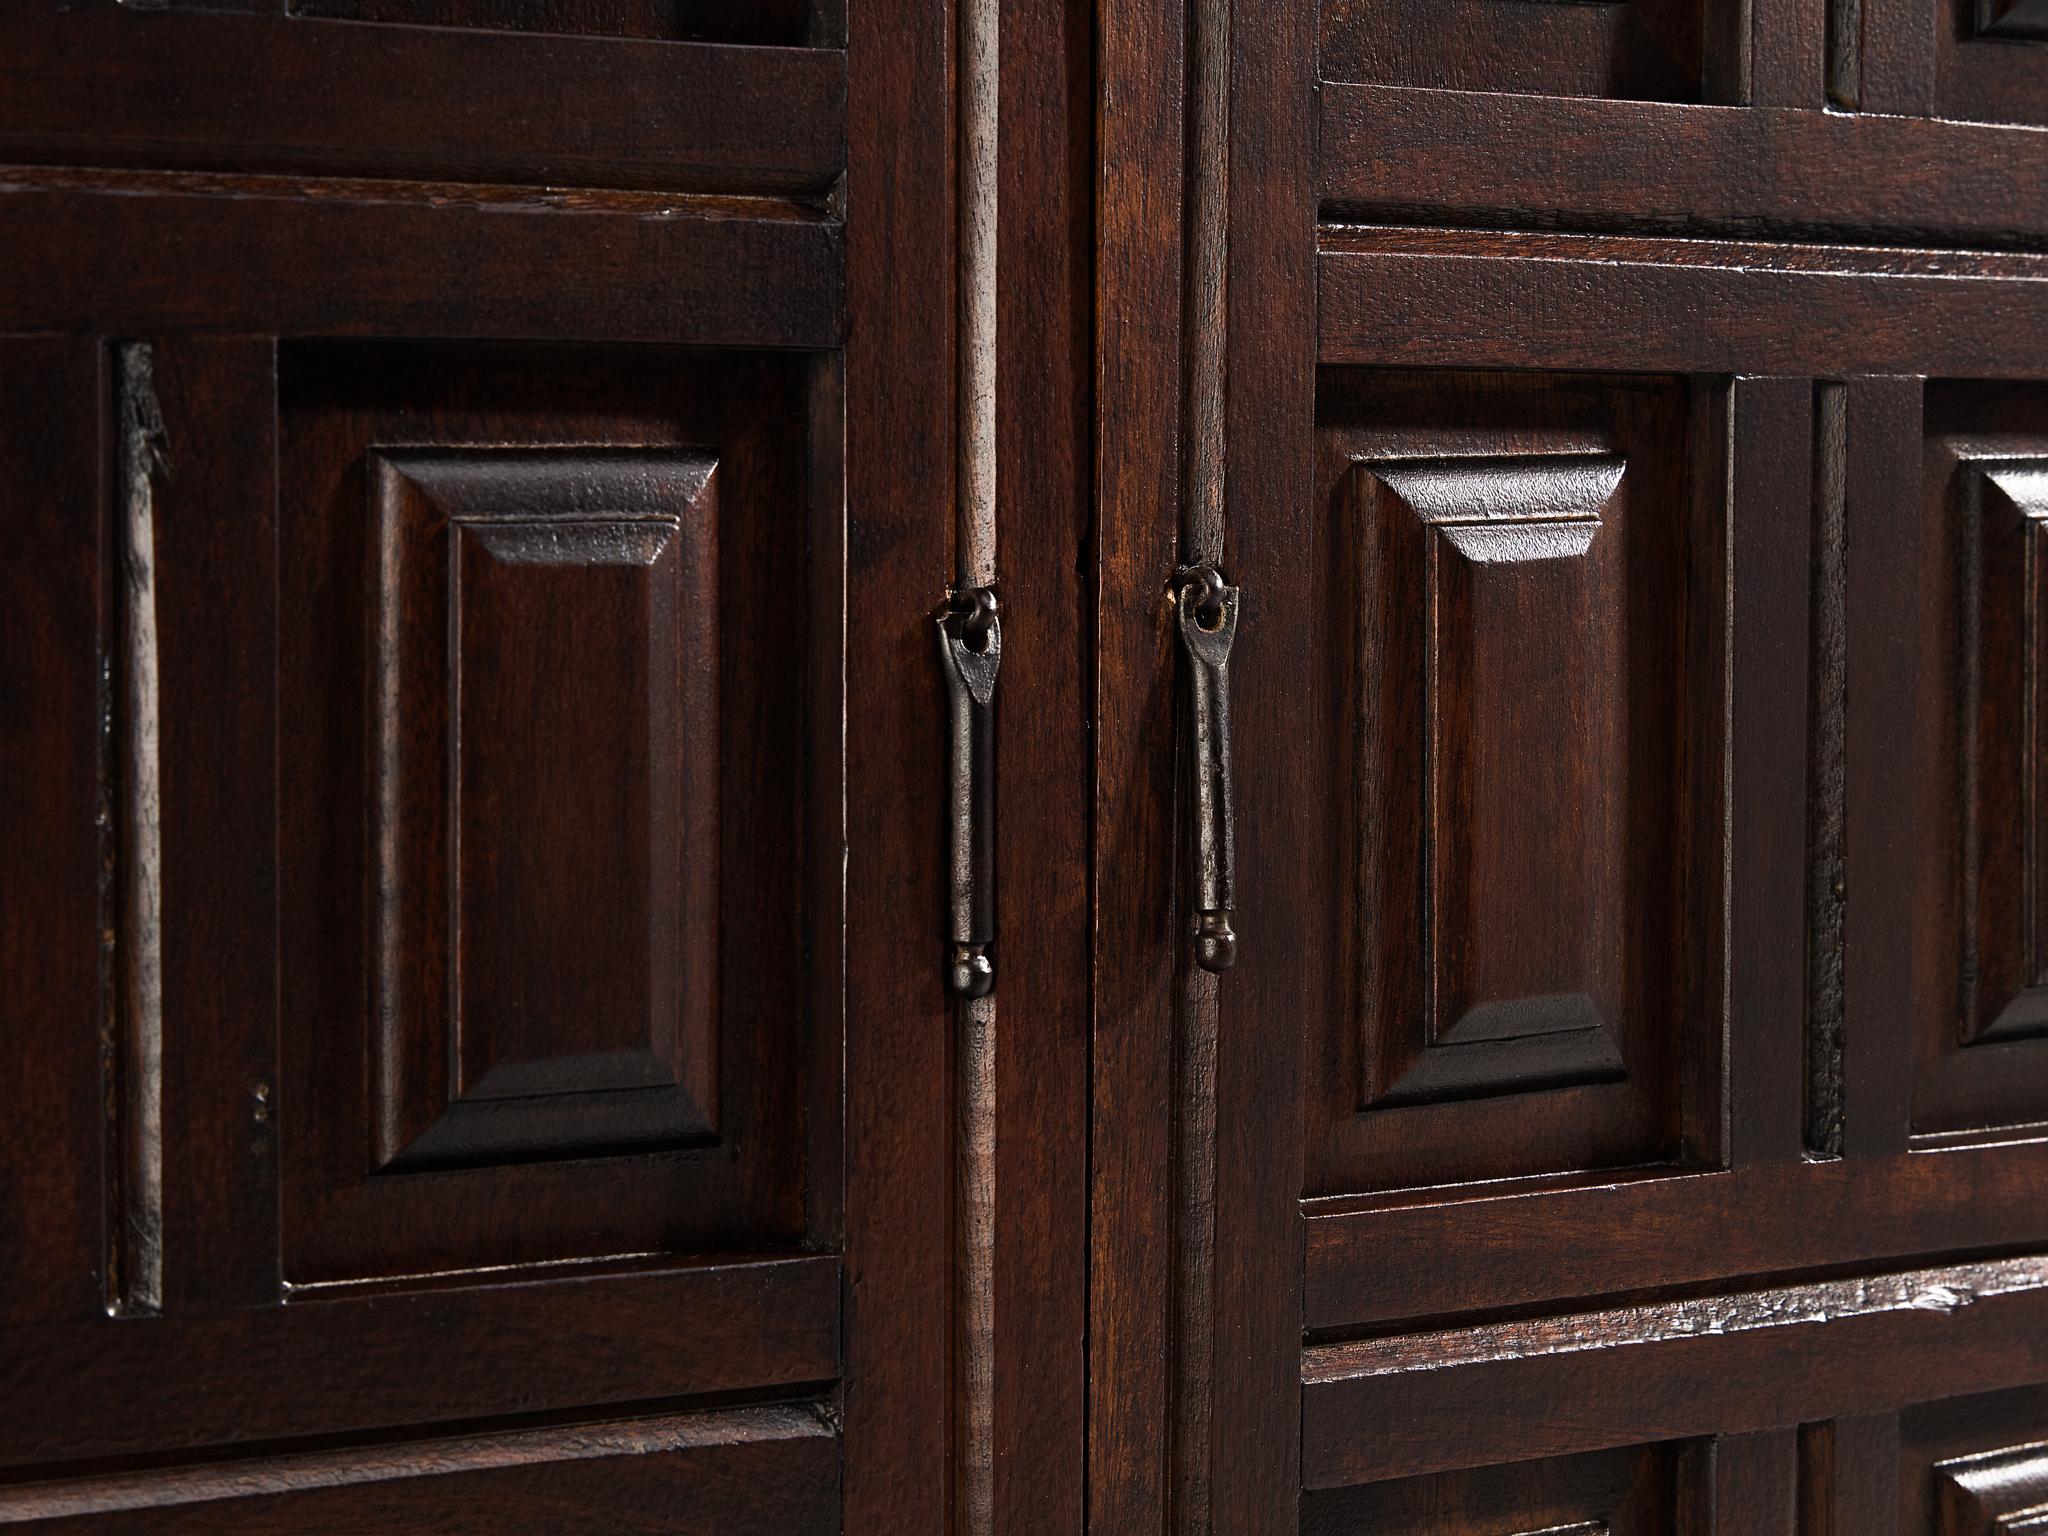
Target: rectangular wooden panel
x=1649, y=49
x=747, y=1472
x=1508, y=568
x=545, y=989
x=545, y=665
x=134, y=85
x=1982, y=953
x=52, y=1254
x=1634, y=1491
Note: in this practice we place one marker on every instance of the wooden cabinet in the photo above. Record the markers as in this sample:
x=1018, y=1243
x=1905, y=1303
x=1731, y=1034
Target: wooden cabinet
x=1519, y=524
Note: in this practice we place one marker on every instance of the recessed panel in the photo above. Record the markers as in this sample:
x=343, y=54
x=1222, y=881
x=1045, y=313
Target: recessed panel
x=1976, y=1466
x=1991, y=60
x=1650, y=50
x=545, y=692
x=1635, y=1491
x=1983, y=1027
x=1507, y=579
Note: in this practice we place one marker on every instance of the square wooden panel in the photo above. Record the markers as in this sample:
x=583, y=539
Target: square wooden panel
x=1645, y=50
x=1983, y=957
x=545, y=686
x=1634, y=1491
x=1510, y=704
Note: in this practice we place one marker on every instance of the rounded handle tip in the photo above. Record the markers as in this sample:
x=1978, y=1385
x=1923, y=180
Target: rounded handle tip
x=972, y=973
x=1215, y=944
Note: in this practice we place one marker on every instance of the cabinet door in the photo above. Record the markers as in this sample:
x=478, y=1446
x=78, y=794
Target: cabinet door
x=474, y=1051
x=1623, y=1112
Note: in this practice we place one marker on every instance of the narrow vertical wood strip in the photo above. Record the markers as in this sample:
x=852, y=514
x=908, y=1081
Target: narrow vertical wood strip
x=1276, y=541
x=1880, y=840
x=1849, y=1476
x=1744, y=1485
x=974, y=1058
x=56, y=825
x=1039, y=1273
x=1205, y=367
x=1893, y=45
x=1766, y=806
x=1826, y=684
x=135, y=1265
x=1789, y=56
x=901, y=268
x=1206, y=286
x=1139, y=389
x=216, y=642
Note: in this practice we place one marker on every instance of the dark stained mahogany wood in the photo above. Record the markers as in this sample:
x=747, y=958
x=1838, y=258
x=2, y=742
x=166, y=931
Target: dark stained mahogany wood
x=134, y=85
x=753, y=1471
x=478, y=478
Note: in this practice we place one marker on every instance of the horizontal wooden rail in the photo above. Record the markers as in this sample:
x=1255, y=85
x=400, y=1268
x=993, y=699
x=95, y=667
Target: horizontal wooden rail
x=330, y=1366
x=115, y=85
x=381, y=258
x=1602, y=163
x=1449, y=298
x=1757, y=1359
x=1372, y=1264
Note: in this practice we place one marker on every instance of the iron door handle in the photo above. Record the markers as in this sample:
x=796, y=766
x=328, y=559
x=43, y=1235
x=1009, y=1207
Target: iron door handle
x=970, y=652
x=1208, y=610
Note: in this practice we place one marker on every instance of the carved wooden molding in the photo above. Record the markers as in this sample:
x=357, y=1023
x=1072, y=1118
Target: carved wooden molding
x=1997, y=1493
x=2013, y=18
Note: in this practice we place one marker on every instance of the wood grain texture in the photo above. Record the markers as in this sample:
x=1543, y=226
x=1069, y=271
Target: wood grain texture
x=1270, y=542
x=1979, y=1010
x=271, y=256
x=124, y=85
x=900, y=423
x=1648, y=49
x=1850, y=1476
x=52, y=904
x=1633, y=1491
x=1043, y=464
x=342, y=1361
x=1653, y=166
x=550, y=1182
x=756, y=1470
x=1137, y=492
x=1726, y=1364
x=1485, y=1250
x=1591, y=302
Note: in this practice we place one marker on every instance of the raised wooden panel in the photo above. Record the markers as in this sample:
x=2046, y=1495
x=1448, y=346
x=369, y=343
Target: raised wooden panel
x=1653, y=50
x=1636, y=1491
x=1976, y=1466
x=545, y=680
x=1983, y=949
x=1499, y=596
x=544, y=659
x=2013, y=18
x=1996, y=1493
x=1989, y=61
x=1510, y=704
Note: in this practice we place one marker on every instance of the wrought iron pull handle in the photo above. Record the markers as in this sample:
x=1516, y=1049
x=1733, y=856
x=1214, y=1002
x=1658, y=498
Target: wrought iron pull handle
x=1208, y=625
x=970, y=651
